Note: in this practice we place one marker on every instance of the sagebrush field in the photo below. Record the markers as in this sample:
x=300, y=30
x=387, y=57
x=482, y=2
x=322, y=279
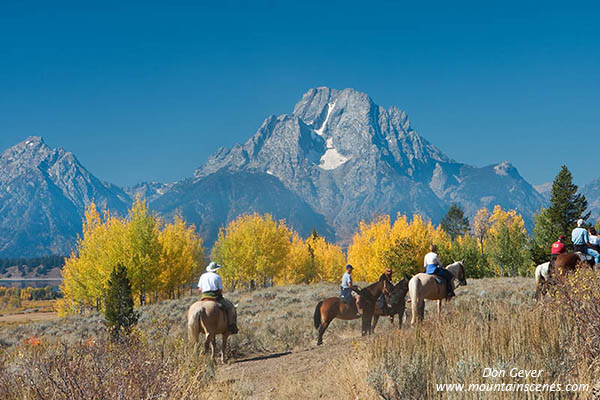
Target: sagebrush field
x=493, y=323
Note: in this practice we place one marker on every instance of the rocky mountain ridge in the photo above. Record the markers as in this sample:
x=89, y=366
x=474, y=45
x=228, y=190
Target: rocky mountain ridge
x=337, y=159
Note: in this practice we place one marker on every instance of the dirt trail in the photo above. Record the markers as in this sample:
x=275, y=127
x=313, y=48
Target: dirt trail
x=264, y=373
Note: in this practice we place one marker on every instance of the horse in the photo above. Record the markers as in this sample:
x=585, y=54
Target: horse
x=333, y=307
x=424, y=286
x=207, y=316
x=542, y=278
x=397, y=302
x=567, y=262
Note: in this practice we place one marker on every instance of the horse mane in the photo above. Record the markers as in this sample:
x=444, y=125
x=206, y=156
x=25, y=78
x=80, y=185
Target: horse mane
x=452, y=266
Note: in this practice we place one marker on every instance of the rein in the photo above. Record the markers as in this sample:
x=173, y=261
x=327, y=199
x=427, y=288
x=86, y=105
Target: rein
x=369, y=296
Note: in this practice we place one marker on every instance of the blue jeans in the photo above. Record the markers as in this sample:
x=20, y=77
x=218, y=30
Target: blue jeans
x=594, y=254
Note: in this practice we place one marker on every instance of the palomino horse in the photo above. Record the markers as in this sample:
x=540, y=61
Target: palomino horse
x=542, y=278
x=424, y=286
x=397, y=304
x=334, y=307
x=207, y=316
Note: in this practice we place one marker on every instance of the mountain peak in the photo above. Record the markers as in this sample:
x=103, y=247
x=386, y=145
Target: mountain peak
x=35, y=139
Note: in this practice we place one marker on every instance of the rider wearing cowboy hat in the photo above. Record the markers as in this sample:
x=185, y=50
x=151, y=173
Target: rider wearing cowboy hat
x=211, y=285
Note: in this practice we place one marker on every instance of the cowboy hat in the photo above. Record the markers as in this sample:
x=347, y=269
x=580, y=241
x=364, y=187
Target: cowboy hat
x=212, y=267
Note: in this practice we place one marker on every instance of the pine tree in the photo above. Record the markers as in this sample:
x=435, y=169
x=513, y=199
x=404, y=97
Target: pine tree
x=119, y=313
x=566, y=205
x=545, y=232
x=455, y=223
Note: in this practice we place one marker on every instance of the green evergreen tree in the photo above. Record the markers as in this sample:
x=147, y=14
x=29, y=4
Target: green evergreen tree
x=119, y=313
x=567, y=206
x=545, y=232
x=454, y=222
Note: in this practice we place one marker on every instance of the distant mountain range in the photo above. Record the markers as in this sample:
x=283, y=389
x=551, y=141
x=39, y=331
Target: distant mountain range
x=337, y=159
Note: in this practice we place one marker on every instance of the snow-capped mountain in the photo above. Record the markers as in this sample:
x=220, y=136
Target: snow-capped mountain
x=351, y=159
x=337, y=159
x=43, y=196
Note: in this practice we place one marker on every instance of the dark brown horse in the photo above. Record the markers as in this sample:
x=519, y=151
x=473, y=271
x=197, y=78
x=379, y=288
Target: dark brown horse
x=334, y=307
x=567, y=262
x=397, y=302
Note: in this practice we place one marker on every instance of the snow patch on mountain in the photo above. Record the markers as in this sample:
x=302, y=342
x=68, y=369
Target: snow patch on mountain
x=330, y=107
x=332, y=159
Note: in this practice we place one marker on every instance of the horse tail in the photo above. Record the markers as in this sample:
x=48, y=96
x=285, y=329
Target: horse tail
x=317, y=316
x=194, y=325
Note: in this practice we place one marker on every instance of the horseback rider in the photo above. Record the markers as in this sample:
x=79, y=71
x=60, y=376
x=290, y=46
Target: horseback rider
x=386, y=276
x=211, y=285
x=594, y=239
x=581, y=241
x=558, y=248
x=433, y=266
x=347, y=290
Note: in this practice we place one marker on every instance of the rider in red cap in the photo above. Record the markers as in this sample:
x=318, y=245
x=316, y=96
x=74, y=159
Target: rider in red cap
x=558, y=248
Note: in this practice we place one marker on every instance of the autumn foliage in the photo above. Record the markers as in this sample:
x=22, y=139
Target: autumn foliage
x=161, y=258
x=256, y=250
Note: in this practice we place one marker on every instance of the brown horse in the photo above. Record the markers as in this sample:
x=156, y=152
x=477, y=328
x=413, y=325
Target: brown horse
x=397, y=302
x=567, y=262
x=207, y=316
x=424, y=286
x=334, y=307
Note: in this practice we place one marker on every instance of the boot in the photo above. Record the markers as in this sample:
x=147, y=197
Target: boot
x=450, y=292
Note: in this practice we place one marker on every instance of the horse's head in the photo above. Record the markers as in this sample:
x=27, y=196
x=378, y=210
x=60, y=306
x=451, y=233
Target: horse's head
x=399, y=291
x=461, y=275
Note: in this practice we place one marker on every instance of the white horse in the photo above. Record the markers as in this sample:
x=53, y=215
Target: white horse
x=425, y=286
x=542, y=276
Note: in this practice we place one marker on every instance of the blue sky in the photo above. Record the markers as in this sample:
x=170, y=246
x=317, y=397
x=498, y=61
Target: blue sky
x=147, y=91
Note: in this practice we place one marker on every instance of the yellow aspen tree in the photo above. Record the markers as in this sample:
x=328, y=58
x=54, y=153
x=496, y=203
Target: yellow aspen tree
x=328, y=259
x=144, y=252
x=481, y=227
x=300, y=263
x=508, y=242
x=252, y=249
x=182, y=256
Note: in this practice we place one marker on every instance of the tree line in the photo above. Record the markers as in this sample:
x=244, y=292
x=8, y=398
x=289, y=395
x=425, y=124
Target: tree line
x=26, y=265
x=161, y=259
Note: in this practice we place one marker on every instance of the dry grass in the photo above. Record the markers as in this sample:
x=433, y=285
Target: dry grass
x=491, y=323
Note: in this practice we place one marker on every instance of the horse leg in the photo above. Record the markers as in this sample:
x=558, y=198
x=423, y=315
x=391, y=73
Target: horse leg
x=207, y=340
x=439, y=307
x=322, y=328
x=418, y=310
x=366, y=324
x=375, y=319
x=224, y=348
x=213, y=346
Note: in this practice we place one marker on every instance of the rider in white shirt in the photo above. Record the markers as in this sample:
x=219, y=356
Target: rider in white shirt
x=211, y=286
x=433, y=266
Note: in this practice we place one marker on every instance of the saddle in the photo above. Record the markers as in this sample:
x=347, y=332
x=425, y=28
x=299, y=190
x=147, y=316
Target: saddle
x=439, y=280
x=208, y=299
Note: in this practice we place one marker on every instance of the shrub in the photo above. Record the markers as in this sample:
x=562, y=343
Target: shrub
x=119, y=312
